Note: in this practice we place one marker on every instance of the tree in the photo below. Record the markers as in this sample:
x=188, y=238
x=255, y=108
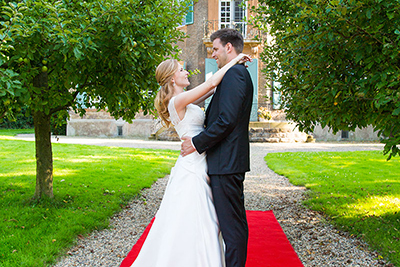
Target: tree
x=337, y=61
x=57, y=55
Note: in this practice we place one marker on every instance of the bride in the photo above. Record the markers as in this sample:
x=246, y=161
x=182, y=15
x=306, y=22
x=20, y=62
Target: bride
x=185, y=232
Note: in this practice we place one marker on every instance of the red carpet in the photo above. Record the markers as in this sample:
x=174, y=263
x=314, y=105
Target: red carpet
x=268, y=245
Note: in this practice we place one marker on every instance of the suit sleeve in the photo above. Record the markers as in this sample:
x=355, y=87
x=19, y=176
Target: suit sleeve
x=232, y=96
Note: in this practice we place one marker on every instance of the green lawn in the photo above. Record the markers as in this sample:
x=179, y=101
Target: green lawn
x=358, y=191
x=13, y=132
x=91, y=183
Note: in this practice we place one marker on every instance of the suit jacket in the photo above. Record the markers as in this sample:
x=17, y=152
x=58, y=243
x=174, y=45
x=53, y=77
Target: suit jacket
x=226, y=136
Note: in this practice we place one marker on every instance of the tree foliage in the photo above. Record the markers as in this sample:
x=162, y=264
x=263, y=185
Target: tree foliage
x=56, y=55
x=337, y=61
x=107, y=50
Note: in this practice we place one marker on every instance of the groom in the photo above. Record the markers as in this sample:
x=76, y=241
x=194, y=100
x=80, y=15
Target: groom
x=226, y=141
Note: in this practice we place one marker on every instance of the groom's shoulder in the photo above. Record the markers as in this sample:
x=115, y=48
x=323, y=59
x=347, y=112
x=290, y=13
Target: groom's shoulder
x=236, y=69
x=239, y=67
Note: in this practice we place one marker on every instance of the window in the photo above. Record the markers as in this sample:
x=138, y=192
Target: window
x=233, y=15
x=119, y=129
x=189, y=19
x=190, y=15
x=345, y=134
x=225, y=14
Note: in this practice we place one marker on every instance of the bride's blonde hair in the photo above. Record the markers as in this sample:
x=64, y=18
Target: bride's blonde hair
x=164, y=73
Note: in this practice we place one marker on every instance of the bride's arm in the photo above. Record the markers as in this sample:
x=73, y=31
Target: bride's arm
x=185, y=98
x=204, y=97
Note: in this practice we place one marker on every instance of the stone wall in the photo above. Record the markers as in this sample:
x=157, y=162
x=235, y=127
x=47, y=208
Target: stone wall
x=193, y=49
x=167, y=134
x=287, y=132
x=102, y=124
x=273, y=132
x=364, y=134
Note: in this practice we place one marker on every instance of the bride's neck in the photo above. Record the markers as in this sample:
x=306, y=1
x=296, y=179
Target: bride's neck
x=178, y=90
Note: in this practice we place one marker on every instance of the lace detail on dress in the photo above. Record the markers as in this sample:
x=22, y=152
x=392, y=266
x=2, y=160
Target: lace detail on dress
x=191, y=124
x=173, y=115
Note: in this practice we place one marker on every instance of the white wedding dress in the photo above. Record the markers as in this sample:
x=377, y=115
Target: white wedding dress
x=185, y=232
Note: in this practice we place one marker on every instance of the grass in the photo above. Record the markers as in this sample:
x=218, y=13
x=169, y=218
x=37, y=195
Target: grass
x=13, y=132
x=90, y=185
x=359, y=191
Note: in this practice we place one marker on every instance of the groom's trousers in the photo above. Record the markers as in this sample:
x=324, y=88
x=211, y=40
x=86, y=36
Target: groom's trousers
x=229, y=204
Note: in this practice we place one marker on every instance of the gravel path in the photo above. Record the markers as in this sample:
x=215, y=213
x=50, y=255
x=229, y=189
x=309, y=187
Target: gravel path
x=316, y=242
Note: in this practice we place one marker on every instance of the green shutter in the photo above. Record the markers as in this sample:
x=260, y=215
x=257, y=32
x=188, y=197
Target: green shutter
x=253, y=70
x=211, y=68
x=189, y=16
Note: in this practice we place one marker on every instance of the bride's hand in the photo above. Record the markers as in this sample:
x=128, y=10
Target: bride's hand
x=244, y=58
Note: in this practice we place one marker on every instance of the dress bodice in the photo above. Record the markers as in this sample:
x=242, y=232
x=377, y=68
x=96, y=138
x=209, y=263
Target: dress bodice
x=191, y=124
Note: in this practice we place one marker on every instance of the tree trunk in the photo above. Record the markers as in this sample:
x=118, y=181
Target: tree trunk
x=44, y=154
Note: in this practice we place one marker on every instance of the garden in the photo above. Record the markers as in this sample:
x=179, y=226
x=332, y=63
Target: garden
x=91, y=184
x=358, y=192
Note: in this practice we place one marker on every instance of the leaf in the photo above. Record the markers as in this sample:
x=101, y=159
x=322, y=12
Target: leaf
x=77, y=53
x=396, y=112
x=359, y=56
x=7, y=13
x=369, y=13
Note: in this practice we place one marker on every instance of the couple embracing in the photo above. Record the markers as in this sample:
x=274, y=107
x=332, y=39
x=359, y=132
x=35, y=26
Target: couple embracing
x=201, y=221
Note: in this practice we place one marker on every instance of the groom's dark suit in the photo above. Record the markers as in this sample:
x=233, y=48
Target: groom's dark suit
x=226, y=140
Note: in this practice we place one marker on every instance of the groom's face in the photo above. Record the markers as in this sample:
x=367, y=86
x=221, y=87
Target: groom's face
x=220, y=53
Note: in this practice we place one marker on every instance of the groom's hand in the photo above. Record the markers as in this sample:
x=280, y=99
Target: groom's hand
x=186, y=146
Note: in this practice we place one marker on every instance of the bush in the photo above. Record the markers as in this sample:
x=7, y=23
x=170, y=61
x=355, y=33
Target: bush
x=24, y=120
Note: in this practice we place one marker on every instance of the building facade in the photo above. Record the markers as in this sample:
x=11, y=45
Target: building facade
x=209, y=16
x=204, y=18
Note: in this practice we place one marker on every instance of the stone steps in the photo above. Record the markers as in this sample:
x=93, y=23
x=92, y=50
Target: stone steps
x=275, y=132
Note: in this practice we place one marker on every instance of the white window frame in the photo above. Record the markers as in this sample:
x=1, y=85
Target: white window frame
x=232, y=23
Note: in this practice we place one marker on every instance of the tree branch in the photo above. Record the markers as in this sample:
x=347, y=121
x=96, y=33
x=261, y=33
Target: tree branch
x=9, y=26
x=90, y=24
x=62, y=29
x=70, y=102
x=54, y=110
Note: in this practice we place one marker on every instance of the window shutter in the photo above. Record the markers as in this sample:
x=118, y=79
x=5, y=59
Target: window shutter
x=253, y=70
x=211, y=68
x=190, y=16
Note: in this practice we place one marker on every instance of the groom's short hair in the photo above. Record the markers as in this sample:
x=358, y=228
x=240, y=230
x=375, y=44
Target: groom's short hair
x=227, y=35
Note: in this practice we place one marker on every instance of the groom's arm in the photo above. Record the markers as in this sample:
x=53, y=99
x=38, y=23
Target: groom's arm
x=232, y=96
